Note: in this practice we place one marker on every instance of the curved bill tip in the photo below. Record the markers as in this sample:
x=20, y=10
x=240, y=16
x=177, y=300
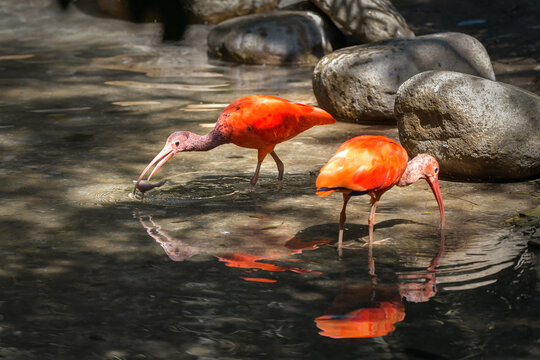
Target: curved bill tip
x=165, y=154
x=434, y=184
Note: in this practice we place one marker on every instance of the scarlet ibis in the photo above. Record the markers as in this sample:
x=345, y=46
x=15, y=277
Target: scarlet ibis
x=372, y=165
x=256, y=122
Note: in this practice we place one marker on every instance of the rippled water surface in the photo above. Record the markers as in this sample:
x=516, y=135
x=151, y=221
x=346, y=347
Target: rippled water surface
x=201, y=269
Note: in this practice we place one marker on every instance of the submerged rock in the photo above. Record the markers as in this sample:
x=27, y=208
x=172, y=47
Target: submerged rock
x=359, y=83
x=478, y=129
x=277, y=37
x=367, y=20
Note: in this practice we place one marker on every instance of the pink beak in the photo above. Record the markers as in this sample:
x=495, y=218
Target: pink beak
x=165, y=154
x=434, y=184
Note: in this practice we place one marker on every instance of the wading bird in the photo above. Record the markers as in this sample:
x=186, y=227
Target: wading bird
x=256, y=122
x=372, y=165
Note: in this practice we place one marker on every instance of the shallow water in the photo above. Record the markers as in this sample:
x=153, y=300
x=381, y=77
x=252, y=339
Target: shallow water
x=201, y=269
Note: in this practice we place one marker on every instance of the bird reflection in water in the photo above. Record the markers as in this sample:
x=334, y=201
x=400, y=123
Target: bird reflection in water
x=377, y=318
x=421, y=286
x=269, y=259
x=174, y=248
x=384, y=305
x=267, y=262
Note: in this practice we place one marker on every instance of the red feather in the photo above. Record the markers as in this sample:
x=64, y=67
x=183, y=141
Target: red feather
x=364, y=163
x=262, y=121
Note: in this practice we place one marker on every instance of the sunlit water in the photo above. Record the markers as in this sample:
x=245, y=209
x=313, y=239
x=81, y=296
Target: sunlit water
x=201, y=269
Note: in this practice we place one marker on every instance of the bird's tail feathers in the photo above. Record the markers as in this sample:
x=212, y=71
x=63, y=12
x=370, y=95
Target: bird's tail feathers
x=324, y=117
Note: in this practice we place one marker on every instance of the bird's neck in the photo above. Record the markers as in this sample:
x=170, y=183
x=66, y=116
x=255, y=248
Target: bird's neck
x=412, y=173
x=206, y=142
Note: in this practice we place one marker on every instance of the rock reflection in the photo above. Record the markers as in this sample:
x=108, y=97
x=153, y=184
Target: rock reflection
x=376, y=307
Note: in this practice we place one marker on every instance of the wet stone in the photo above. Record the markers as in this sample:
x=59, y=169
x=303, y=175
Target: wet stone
x=359, y=83
x=478, y=129
x=368, y=20
x=277, y=37
x=215, y=11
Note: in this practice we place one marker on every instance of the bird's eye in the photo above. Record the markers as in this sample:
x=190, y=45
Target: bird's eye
x=436, y=169
x=177, y=143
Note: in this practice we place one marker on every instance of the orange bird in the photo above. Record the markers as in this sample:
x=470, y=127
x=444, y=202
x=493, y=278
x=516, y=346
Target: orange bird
x=372, y=165
x=256, y=122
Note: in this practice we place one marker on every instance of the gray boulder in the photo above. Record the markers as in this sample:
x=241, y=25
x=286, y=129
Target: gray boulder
x=215, y=11
x=367, y=20
x=476, y=128
x=276, y=37
x=359, y=83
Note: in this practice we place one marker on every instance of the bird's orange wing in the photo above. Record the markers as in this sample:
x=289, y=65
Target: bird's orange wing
x=262, y=121
x=362, y=164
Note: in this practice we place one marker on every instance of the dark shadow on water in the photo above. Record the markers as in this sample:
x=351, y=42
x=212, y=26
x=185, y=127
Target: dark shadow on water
x=352, y=230
x=68, y=295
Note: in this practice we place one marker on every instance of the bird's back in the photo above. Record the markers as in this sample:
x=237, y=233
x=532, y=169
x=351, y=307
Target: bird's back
x=362, y=164
x=259, y=121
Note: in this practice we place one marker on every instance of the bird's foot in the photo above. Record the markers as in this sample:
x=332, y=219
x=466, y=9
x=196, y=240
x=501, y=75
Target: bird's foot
x=349, y=245
x=280, y=185
x=353, y=244
x=360, y=243
x=378, y=242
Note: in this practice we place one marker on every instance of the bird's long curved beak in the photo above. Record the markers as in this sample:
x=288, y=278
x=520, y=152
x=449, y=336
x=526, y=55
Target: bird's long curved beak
x=165, y=154
x=434, y=184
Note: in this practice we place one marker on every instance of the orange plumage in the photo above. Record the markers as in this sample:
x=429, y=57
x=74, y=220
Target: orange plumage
x=364, y=163
x=262, y=121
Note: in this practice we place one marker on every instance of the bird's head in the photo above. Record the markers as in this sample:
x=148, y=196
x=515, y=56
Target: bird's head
x=179, y=140
x=424, y=166
x=176, y=142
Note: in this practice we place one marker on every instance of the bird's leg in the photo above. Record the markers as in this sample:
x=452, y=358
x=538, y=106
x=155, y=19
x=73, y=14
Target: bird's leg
x=255, y=176
x=371, y=223
x=371, y=220
x=280, y=168
x=371, y=262
x=342, y=218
